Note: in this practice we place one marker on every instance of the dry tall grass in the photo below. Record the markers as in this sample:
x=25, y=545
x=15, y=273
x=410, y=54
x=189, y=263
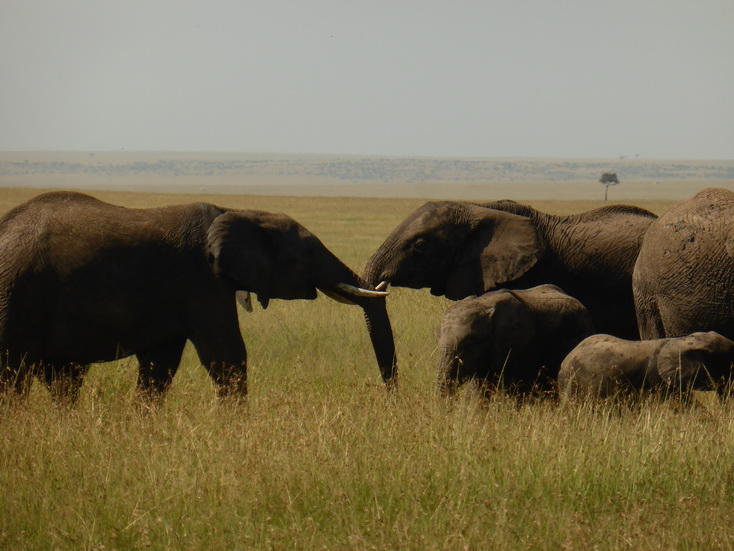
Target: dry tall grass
x=321, y=457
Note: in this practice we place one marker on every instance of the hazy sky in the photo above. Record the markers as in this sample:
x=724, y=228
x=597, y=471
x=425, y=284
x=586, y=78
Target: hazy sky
x=491, y=78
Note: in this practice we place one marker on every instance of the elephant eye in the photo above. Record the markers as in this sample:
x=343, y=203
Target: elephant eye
x=419, y=245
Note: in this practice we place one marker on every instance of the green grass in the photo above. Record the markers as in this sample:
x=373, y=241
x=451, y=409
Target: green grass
x=320, y=457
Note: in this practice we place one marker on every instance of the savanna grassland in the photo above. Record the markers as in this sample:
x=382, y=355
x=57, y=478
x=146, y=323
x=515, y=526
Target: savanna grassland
x=320, y=457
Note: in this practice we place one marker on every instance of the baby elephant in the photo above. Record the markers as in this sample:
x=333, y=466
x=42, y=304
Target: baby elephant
x=510, y=339
x=604, y=366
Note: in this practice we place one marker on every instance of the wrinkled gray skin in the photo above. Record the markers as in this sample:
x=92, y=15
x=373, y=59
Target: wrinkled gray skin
x=683, y=277
x=459, y=249
x=83, y=281
x=514, y=340
x=605, y=366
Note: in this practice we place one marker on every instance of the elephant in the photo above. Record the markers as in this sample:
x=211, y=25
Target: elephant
x=84, y=281
x=511, y=339
x=459, y=249
x=682, y=280
x=605, y=366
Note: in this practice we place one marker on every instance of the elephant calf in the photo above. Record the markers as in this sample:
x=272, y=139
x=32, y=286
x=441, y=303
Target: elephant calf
x=510, y=339
x=604, y=366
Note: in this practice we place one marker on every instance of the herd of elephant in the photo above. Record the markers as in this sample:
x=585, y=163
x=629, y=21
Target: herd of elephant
x=600, y=303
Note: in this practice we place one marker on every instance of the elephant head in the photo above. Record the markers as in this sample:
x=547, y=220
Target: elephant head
x=700, y=361
x=477, y=337
x=275, y=257
x=456, y=249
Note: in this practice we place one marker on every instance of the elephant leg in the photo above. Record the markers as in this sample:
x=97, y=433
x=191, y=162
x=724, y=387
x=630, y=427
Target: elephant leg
x=226, y=363
x=158, y=366
x=229, y=375
x=218, y=342
x=649, y=319
x=447, y=387
x=65, y=381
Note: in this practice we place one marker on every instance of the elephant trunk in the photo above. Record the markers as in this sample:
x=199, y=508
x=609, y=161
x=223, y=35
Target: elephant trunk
x=374, y=271
x=378, y=325
x=349, y=287
x=380, y=330
x=448, y=370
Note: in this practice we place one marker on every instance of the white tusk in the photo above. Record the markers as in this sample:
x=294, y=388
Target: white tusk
x=243, y=297
x=359, y=292
x=381, y=286
x=337, y=297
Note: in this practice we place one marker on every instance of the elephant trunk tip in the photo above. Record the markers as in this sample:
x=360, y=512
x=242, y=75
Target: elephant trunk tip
x=447, y=389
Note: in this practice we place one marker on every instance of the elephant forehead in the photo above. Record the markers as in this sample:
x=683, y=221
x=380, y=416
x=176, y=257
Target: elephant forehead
x=433, y=216
x=463, y=329
x=469, y=311
x=276, y=223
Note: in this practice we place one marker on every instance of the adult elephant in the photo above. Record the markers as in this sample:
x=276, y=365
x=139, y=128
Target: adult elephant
x=683, y=276
x=84, y=281
x=459, y=249
x=514, y=340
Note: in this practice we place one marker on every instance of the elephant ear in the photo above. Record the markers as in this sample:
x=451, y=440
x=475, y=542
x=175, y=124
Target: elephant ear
x=238, y=245
x=515, y=323
x=500, y=247
x=681, y=363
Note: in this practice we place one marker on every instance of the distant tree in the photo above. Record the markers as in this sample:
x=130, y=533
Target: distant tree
x=608, y=179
